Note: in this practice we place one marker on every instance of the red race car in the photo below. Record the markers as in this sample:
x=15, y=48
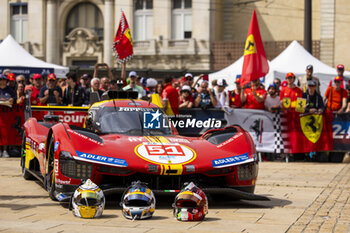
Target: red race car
x=125, y=140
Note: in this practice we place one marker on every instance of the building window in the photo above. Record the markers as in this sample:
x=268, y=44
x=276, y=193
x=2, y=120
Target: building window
x=85, y=15
x=19, y=21
x=181, y=27
x=143, y=19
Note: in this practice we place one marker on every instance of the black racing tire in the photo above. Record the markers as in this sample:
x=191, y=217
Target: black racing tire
x=25, y=173
x=49, y=179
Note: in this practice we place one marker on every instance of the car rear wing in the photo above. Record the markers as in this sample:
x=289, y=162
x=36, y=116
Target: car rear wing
x=72, y=115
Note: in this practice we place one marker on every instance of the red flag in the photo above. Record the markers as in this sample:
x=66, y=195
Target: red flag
x=122, y=45
x=255, y=63
x=307, y=133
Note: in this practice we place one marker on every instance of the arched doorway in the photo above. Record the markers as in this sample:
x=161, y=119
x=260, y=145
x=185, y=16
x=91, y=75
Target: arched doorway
x=83, y=35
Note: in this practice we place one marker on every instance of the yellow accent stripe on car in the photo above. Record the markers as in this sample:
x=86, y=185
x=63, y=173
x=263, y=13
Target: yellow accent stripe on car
x=172, y=170
x=162, y=139
x=29, y=154
x=151, y=139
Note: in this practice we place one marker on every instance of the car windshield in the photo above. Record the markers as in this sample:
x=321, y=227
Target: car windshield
x=133, y=121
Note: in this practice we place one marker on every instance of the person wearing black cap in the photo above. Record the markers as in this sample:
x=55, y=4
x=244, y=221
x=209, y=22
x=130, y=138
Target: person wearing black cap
x=85, y=81
x=302, y=80
x=314, y=102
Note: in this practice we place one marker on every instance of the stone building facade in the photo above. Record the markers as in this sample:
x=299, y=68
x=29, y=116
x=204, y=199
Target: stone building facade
x=167, y=34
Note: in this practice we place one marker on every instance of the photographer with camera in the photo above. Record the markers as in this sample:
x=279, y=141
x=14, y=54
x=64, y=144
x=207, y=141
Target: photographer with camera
x=50, y=93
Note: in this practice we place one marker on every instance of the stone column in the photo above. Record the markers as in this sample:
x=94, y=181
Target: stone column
x=51, y=33
x=327, y=31
x=108, y=33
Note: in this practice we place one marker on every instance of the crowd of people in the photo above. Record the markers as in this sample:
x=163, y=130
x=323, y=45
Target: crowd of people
x=280, y=95
x=180, y=93
x=183, y=92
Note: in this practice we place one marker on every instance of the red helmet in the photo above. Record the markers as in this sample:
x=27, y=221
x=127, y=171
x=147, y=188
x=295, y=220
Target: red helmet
x=191, y=204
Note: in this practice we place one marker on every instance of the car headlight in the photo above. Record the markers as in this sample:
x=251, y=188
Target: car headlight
x=247, y=171
x=72, y=168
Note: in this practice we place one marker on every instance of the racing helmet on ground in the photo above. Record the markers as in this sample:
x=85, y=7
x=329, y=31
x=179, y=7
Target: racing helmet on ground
x=88, y=201
x=138, y=201
x=191, y=204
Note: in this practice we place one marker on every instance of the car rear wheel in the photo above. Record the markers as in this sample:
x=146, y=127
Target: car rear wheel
x=25, y=173
x=49, y=180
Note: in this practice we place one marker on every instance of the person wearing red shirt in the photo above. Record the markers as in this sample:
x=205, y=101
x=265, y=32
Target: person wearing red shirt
x=290, y=93
x=235, y=95
x=170, y=97
x=336, y=97
x=254, y=97
x=34, y=97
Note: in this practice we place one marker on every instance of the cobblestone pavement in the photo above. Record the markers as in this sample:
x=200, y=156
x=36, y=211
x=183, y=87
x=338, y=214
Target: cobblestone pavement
x=304, y=197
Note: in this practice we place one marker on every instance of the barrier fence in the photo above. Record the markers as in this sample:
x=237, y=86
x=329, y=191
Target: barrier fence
x=288, y=132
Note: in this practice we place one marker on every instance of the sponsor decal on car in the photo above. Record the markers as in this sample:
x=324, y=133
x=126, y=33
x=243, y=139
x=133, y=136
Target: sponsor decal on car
x=59, y=181
x=41, y=146
x=85, y=137
x=56, y=166
x=136, y=139
x=101, y=159
x=234, y=160
x=134, y=104
x=60, y=196
x=169, y=153
x=229, y=140
x=129, y=109
x=56, y=146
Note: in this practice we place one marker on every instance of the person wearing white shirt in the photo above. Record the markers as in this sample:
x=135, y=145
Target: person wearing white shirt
x=272, y=101
x=221, y=94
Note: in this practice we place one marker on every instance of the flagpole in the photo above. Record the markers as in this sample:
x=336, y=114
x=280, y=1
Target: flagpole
x=123, y=72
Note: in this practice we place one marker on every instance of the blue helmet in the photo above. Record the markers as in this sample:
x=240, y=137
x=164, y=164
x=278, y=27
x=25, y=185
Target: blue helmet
x=138, y=201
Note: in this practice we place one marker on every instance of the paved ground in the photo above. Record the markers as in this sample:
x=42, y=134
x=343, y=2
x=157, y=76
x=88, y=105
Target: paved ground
x=305, y=197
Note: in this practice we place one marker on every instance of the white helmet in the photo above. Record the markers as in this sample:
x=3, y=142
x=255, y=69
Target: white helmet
x=88, y=200
x=138, y=201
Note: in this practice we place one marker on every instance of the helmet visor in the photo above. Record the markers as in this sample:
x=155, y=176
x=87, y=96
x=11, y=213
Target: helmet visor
x=187, y=201
x=88, y=198
x=137, y=200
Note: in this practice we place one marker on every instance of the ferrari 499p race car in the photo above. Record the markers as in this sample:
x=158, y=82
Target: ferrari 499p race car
x=124, y=140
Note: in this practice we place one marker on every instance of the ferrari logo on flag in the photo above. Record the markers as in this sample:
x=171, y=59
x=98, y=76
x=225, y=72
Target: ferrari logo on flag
x=249, y=45
x=286, y=102
x=128, y=35
x=255, y=63
x=123, y=46
x=312, y=126
x=300, y=105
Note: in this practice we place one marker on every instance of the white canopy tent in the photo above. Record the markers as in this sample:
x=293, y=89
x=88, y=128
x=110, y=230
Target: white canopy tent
x=295, y=59
x=19, y=61
x=229, y=73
